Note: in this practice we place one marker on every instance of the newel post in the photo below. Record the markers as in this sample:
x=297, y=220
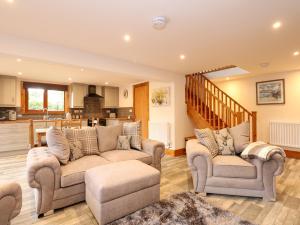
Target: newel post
x=254, y=126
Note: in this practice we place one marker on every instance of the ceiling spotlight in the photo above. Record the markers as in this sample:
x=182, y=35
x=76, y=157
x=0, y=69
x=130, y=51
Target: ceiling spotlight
x=81, y=69
x=127, y=37
x=277, y=25
x=159, y=22
x=19, y=60
x=182, y=57
x=106, y=83
x=20, y=73
x=227, y=78
x=10, y=1
x=70, y=79
x=296, y=53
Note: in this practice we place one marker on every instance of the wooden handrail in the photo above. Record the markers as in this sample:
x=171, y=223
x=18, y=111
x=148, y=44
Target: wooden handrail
x=214, y=105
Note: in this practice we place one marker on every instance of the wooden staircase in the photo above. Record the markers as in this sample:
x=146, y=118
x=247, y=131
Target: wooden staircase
x=209, y=106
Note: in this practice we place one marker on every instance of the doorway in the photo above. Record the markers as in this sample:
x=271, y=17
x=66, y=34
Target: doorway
x=141, y=106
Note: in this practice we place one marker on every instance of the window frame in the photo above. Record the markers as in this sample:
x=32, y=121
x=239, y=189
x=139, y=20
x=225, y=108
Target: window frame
x=46, y=87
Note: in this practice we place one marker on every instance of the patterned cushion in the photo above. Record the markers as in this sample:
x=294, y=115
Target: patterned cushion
x=58, y=144
x=76, y=152
x=206, y=138
x=87, y=137
x=123, y=143
x=224, y=141
x=133, y=129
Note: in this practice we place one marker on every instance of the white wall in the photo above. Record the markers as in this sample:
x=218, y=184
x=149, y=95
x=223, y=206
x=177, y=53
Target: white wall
x=126, y=102
x=244, y=91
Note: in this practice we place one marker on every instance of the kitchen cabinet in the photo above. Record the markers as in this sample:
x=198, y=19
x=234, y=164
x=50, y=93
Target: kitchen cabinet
x=77, y=94
x=8, y=91
x=111, y=97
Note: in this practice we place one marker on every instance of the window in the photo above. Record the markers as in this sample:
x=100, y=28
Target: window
x=41, y=96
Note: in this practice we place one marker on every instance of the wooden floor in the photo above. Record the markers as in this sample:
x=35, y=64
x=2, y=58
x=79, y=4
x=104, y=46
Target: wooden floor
x=175, y=178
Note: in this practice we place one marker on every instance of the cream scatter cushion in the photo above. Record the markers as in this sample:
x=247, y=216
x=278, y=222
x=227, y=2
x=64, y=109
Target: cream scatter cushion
x=133, y=129
x=108, y=137
x=58, y=144
x=87, y=137
x=123, y=142
x=224, y=141
x=241, y=136
x=76, y=150
x=206, y=138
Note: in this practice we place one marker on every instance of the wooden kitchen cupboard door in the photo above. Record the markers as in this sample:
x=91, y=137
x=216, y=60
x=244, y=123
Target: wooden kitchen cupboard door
x=141, y=106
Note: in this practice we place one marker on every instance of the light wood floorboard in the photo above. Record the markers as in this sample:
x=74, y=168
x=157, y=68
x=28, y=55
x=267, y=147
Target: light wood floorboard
x=176, y=177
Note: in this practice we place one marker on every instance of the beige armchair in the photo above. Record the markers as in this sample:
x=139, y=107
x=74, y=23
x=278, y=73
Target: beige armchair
x=233, y=175
x=10, y=202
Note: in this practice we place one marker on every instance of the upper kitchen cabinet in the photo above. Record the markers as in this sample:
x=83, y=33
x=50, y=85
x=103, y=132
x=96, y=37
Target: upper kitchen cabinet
x=111, y=97
x=8, y=87
x=77, y=94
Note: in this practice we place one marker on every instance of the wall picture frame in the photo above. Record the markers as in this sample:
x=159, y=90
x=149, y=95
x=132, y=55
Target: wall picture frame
x=270, y=92
x=160, y=96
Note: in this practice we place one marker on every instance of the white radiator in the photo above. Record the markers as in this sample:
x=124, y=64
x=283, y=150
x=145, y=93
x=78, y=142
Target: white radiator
x=160, y=131
x=285, y=134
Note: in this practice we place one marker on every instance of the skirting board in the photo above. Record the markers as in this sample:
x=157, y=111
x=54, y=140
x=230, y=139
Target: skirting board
x=174, y=153
x=292, y=154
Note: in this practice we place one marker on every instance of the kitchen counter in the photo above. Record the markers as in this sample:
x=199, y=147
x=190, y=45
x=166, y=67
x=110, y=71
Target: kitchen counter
x=119, y=118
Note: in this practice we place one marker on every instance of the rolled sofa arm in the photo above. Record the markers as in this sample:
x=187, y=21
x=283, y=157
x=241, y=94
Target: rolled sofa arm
x=200, y=162
x=43, y=173
x=10, y=201
x=156, y=149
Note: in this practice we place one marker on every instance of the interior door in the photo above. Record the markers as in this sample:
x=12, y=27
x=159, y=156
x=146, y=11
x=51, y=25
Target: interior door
x=141, y=106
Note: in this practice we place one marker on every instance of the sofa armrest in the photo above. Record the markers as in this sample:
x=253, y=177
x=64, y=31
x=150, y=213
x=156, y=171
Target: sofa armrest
x=156, y=149
x=10, y=201
x=44, y=174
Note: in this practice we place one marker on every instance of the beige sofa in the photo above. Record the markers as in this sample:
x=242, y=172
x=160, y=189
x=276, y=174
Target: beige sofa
x=57, y=185
x=233, y=175
x=10, y=201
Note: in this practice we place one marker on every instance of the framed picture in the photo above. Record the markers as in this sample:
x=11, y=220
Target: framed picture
x=270, y=92
x=160, y=96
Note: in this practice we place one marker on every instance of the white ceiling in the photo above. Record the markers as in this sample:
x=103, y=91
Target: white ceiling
x=211, y=33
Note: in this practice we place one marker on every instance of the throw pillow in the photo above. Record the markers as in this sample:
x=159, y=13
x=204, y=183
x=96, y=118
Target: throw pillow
x=241, y=136
x=133, y=129
x=88, y=138
x=123, y=143
x=206, y=138
x=224, y=141
x=58, y=144
x=76, y=152
x=108, y=137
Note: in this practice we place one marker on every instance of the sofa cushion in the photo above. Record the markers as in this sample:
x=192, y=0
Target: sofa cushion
x=73, y=172
x=224, y=141
x=133, y=129
x=124, y=155
x=233, y=166
x=76, y=150
x=206, y=138
x=241, y=136
x=123, y=142
x=88, y=138
x=108, y=137
x=58, y=144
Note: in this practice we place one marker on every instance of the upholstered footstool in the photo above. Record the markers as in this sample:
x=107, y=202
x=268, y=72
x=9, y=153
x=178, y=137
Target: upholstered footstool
x=118, y=189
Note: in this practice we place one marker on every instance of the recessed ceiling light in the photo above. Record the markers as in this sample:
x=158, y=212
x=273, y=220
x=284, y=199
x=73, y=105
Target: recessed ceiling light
x=296, y=53
x=127, y=37
x=19, y=60
x=20, y=73
x=182, y=57
x=81, y=69
x=106, y=83
x=70, y=79
x=10, y=1
x=227, y=78
x=277, y=25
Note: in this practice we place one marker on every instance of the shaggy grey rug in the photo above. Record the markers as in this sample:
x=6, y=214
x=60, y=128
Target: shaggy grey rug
x=185, y=209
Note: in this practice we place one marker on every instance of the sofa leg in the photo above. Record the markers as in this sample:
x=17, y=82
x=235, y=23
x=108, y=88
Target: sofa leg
x=201, y=194
x=49, y=213
x=267, y=199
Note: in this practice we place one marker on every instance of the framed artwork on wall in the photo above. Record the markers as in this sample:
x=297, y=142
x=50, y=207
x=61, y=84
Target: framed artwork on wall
x=160, y=96
x=270, y=92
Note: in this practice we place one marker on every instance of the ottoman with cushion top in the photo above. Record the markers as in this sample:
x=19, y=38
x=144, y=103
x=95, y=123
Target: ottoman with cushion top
x=118, y=189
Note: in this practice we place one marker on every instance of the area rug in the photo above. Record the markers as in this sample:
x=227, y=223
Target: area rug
x=185, y=209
